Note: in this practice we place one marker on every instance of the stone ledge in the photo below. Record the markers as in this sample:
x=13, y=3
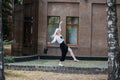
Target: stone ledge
x=64, y=69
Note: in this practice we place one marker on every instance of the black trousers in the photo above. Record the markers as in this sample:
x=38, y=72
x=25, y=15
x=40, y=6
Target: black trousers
x=64, y=50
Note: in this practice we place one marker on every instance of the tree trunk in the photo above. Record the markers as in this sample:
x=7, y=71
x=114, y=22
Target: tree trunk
x=113, y=45
x=1, y=46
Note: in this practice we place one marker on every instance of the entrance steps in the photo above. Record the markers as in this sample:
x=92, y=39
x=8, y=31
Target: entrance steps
x=83, y=66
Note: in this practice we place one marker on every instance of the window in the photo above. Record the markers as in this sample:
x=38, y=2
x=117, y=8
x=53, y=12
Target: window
x=72, y=24
x=53, y=23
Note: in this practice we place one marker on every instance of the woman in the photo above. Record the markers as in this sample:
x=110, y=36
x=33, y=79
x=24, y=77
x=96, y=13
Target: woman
x=64, y=48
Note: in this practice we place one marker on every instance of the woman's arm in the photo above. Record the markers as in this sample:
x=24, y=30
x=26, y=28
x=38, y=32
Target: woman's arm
x=54, y=40
x=60, y=25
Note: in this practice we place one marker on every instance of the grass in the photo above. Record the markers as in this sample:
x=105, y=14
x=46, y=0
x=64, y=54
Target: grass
x=40, y=75
x=10, y=73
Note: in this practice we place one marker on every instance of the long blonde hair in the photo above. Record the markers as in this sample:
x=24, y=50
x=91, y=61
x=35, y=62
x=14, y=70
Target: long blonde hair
x=55, y=32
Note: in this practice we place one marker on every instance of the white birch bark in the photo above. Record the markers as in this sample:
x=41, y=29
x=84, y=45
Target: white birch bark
x=113, y=46
x=1, y=47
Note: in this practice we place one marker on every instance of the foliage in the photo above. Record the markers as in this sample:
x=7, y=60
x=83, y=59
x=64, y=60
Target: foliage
x=6, y=17
x=18, y=1
x=7, y=42
x=8, y=59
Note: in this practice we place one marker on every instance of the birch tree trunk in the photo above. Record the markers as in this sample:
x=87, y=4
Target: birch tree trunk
x=1, y=47
x=113, y=46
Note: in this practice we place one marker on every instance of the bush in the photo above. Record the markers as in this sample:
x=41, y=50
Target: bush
x=7, y=42
x=8, y=59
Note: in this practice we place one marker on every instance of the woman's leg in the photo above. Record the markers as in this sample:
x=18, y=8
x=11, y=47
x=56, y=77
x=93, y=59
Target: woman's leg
x=63, y=55
x=72, y=54
x=60, y=63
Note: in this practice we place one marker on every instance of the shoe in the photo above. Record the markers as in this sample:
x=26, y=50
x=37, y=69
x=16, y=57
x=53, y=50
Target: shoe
x=76, y=60
x=60, y=64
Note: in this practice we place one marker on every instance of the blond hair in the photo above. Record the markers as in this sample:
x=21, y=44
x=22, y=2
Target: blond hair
x=55, y=32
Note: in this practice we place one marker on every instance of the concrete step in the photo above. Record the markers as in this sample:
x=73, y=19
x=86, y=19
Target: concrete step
x=84, y=67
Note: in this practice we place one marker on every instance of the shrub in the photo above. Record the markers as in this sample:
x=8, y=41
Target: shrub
x=8, y=59
x=7, y=42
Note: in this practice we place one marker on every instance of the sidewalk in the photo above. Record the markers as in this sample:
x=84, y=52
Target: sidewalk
x=83, y=66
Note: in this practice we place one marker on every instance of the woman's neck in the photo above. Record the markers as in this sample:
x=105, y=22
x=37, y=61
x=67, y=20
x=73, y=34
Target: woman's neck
x=58, y=34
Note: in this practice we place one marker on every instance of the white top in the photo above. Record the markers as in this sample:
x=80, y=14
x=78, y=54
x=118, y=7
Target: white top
x=57, y=38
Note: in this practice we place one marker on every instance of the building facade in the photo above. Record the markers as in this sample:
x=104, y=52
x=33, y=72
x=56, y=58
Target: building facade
x=84, y=27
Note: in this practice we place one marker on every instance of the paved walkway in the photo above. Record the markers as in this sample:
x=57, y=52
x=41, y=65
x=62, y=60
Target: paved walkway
x=67, y=63
x=83, y=66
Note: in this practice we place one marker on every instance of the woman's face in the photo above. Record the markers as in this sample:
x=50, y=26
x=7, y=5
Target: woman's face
x=58, y=32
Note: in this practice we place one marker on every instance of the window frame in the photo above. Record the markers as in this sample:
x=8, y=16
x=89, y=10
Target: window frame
x=72, y=25
x=51, y=45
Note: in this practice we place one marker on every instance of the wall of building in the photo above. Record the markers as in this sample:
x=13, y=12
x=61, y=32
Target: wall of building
x=92, y=31
x=92, y=39
x=25, y=27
